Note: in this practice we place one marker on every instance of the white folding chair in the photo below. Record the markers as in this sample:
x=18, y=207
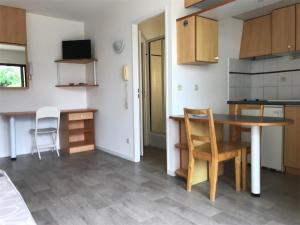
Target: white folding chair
x=46, y=113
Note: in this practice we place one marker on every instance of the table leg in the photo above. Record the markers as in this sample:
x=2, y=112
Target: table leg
x=12, y=137
x=255, y=161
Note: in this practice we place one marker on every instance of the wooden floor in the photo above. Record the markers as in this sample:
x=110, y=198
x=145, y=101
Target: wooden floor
x=97, y=188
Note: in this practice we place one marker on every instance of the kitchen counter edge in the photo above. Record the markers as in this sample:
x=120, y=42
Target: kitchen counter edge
x=265, y=102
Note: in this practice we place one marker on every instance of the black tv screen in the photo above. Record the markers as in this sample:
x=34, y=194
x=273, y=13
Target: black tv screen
x=77, y=49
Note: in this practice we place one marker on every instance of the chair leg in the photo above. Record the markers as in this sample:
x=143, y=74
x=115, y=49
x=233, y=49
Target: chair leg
x=54, y=143
x=244, y=168
x=213, y=179
x=38, y=151
x=209, y=171
x=37, y=147
x=238, y=172
x=33, y=145
x=190, y=175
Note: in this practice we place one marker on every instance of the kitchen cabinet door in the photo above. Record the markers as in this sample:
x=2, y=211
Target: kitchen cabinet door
x=298, y=27
x=197, y=40
x=256, y=39
x=284, y=30
x=207, y=40
x=12, y=25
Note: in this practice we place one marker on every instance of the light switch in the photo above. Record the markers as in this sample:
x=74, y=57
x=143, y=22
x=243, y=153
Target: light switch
x=179, y=87
x=196, y=88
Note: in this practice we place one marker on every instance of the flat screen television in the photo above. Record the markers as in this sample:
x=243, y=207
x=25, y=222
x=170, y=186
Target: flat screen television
x=77, y=49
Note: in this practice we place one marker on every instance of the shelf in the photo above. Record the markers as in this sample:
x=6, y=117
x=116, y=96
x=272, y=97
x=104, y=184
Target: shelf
x=181, y=173
x=76, y=85
x=79, y=131
x=76, y=61
x=79, y=144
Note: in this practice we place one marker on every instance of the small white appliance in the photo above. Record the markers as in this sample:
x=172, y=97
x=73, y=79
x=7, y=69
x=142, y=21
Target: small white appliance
x=271, y=139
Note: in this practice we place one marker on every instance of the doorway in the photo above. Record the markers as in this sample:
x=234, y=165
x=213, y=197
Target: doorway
x=152, y=83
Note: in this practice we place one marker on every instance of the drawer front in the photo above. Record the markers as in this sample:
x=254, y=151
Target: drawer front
x=83, y=148
x=81, y=116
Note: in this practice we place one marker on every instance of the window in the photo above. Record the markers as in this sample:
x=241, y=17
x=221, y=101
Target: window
x=13, y=75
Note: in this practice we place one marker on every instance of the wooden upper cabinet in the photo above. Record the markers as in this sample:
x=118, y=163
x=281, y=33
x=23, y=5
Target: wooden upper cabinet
x=298, y=27
x=256, y=39
x=12, y=25
x=190, y=3
x=197, y=40
x=284, y=30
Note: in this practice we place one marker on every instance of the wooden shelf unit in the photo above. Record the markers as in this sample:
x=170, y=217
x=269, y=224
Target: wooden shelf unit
x=201, y=171
x=182, y=173
x=77, y=132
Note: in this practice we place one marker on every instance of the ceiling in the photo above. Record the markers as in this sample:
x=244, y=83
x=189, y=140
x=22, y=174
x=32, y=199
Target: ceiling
x=80, y=10
x=266, y=9
x=239, y=7
x=68, y=9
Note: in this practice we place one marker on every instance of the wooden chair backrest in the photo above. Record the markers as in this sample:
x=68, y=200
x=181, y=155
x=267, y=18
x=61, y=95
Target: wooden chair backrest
x=240, y=107
x=191, y=138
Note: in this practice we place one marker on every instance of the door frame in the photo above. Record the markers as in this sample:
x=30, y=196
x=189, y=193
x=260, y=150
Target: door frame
x=136, y=79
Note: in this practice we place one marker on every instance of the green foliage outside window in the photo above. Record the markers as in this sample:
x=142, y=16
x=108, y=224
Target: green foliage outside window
x=10, y=76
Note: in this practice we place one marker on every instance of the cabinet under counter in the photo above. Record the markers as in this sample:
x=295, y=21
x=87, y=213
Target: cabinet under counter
x=291, y=144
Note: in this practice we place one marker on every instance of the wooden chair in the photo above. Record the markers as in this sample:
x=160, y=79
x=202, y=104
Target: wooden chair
x=246, y=147
x=206, y=148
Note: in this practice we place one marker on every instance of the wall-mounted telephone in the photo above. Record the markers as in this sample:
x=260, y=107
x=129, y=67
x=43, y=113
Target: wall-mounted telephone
x=125, y=78
x=125, y=73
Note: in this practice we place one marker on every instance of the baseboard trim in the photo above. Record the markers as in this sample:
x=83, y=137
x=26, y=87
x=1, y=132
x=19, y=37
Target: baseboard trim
x=111, y=152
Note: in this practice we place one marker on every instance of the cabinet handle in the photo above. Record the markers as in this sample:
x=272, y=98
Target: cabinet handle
x=289, y=46
x=185, y=23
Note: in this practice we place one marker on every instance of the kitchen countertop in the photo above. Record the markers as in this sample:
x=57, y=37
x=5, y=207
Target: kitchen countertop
x=267, y=102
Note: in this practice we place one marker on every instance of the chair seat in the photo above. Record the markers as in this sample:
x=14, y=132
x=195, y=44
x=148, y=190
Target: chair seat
x=44, y=130
x=226, y=151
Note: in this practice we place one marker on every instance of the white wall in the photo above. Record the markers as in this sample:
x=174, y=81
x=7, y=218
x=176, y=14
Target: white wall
x=114, y=124
x=44, y=46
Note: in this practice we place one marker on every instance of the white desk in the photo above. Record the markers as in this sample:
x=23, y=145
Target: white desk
x=12, y=125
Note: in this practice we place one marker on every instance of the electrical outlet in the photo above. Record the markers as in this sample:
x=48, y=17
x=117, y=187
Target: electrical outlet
x=179, y=87
x=127, y=141
x=196, y=88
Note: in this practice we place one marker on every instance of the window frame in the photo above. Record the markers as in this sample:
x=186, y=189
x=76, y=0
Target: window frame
x=24, y=76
